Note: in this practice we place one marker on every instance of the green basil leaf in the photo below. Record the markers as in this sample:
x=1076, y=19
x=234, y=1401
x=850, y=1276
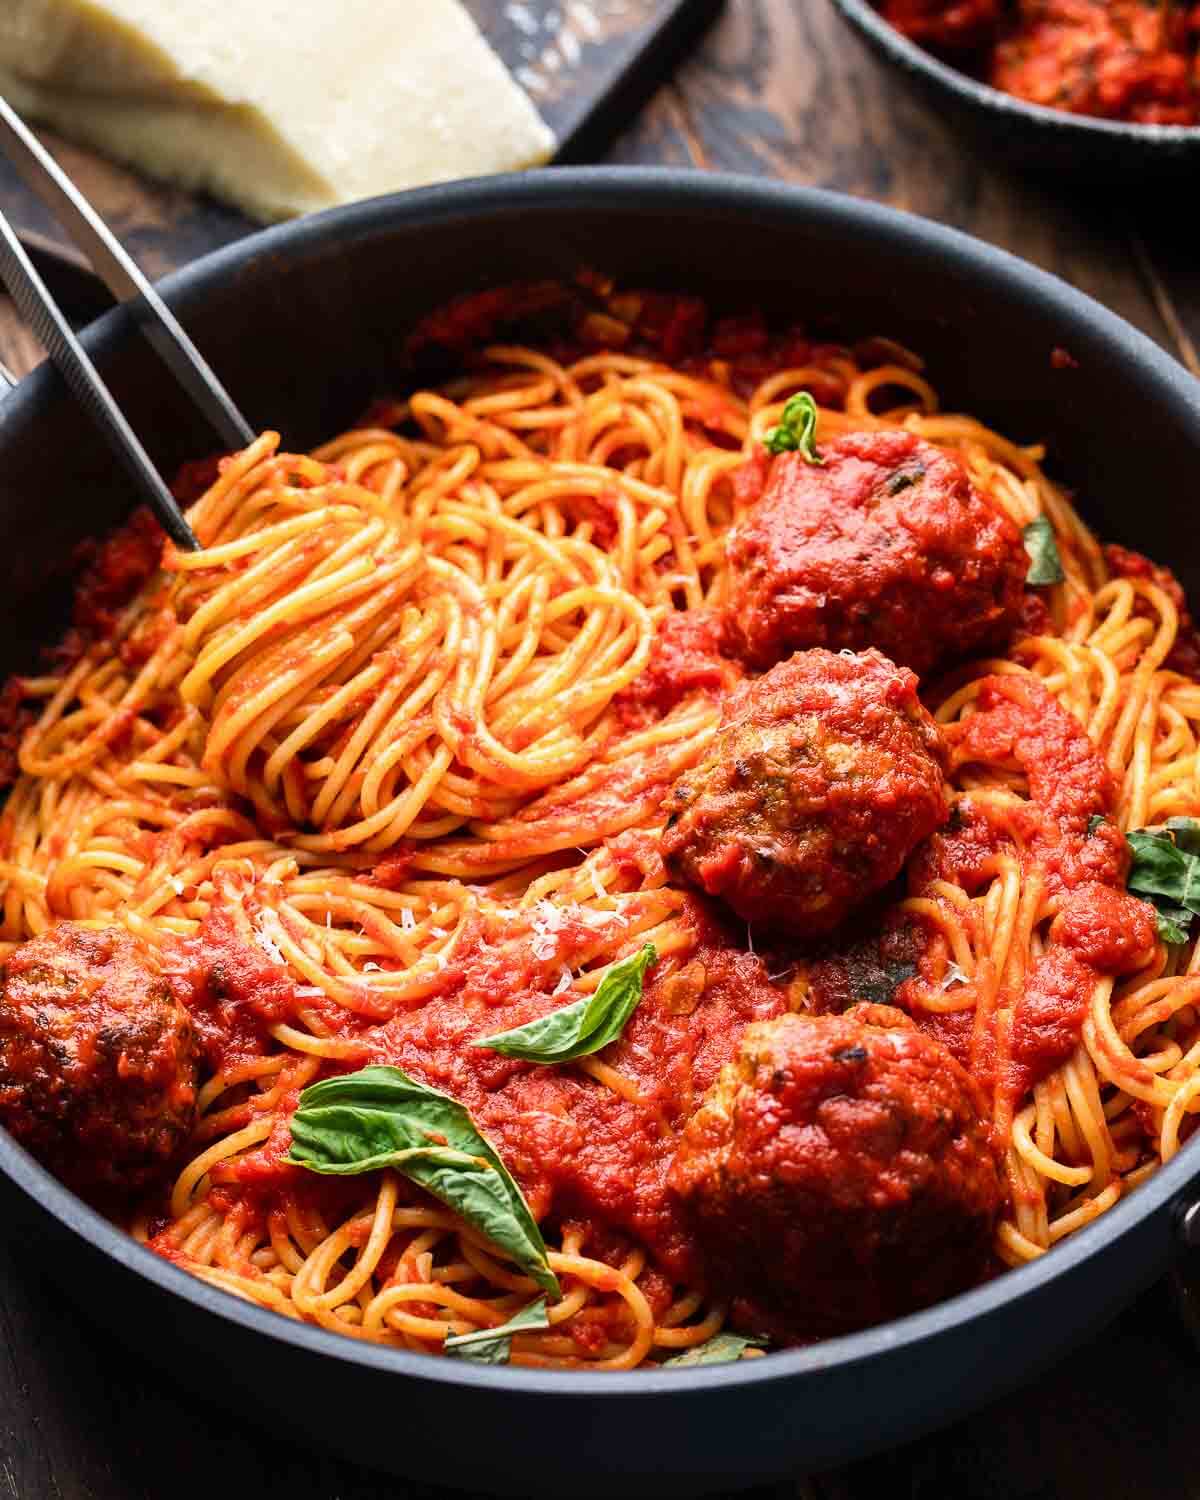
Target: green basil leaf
x=1162, y=869
x=1174, y=923
x=585, y=1026
x=797, y=428
x=1045, y=565
x=1166, y=871
x=721, y=1349
x=380, y=1117
x=493, y=1346
x=1097, y=820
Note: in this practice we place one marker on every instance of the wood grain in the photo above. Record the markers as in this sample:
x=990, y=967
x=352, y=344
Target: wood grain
x=787, y=90
x=779, y=87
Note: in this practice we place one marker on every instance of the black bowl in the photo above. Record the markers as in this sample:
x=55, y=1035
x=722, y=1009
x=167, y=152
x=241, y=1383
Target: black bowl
x=305, y=323
x=1011, y=130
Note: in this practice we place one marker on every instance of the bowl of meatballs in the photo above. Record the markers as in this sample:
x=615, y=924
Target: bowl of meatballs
x=1093, y=88
x=795, y=1019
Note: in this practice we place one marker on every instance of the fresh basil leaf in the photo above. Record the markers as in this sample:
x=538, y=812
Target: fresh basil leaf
x=585, y=1026
x=721, y=1349
x=1174, y=923
x=1161, y=868
x=493, y=1346
x=797, y=428
x=380, y=1117
x=1097, y=820
x=1166, y=871
x=1045, y=565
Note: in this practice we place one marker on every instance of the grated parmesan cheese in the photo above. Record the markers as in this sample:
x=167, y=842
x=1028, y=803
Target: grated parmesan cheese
x=270, y=947
x=953, y=975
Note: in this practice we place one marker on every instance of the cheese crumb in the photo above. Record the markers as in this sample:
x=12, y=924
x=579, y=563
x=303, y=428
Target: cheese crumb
x=953, y=975
x=270, y=947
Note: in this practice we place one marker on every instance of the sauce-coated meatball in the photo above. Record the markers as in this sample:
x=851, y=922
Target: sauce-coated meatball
x=98, y=1061
x=838, y=1174
x=823, y=777
x=888, y=544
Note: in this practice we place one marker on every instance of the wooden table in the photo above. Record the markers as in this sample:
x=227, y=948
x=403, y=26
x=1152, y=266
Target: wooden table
x=780, y=88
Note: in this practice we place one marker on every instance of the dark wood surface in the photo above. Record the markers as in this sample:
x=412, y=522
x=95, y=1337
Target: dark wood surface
x=777, y=88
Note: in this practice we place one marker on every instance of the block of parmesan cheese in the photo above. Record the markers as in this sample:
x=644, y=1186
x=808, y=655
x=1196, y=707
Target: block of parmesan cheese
x=279, y=106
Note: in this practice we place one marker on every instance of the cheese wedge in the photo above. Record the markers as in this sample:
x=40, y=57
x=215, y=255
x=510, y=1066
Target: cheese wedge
x=279, y=106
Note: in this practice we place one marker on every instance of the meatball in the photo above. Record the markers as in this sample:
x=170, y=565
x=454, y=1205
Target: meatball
x=822, y=778
x=98, y=1061
x=838, y=1174
x=886, y=544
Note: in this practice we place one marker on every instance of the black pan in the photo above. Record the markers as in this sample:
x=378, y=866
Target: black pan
x=305, y=323
x=1048, y=141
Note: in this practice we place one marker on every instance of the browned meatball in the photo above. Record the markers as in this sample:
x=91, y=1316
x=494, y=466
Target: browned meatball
x=887, y=544
x=98, y=1062
x=838, y=1174
x=822, y=779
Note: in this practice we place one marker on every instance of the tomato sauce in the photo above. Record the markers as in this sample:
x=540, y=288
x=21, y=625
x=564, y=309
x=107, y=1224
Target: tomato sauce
x=1066, y=832
x=886, y=543
x=1134, y=60
x=593, y=1154
x=233, y=988
x=686, y=658
x=1019, y=724
x=15, y=718
x=1099, y=932
x=576, y=320
x=944, y=25
x=115, y=570
x=579, y=1149
x=1185, y=653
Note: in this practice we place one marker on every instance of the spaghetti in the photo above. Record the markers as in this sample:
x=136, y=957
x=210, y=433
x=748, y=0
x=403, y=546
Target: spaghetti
x=387, y=757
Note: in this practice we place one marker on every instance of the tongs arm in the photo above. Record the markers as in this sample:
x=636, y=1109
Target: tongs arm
x=115, y=267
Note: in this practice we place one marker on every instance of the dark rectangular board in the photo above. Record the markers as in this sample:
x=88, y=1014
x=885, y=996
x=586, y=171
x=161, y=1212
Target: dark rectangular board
x=588, y=65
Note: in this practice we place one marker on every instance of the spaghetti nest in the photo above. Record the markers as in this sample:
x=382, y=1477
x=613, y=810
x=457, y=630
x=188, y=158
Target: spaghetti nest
x=385, y=731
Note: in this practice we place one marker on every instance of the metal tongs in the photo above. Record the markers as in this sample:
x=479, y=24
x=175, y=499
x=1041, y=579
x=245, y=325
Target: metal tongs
x=44, y=177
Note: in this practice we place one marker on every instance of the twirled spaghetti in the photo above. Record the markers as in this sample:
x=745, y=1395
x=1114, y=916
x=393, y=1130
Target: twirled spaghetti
x=392, y=748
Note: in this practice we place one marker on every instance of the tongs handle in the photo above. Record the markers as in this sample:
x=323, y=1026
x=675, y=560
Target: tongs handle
x=43, y=315
x=44, y=177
